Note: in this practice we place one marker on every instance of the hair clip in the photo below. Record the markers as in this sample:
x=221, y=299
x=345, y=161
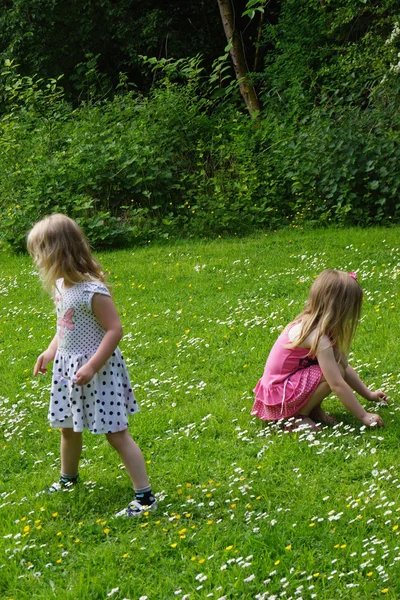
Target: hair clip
x=353, y=275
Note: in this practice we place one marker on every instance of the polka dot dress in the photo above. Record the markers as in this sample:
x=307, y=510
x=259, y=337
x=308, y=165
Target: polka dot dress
x=104, y=404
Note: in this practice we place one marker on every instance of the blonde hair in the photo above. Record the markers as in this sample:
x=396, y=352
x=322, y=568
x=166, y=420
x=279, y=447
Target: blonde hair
x=60, y=249
x=333, y=308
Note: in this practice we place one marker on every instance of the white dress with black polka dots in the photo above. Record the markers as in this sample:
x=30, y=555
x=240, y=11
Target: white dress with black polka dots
x=103, y=405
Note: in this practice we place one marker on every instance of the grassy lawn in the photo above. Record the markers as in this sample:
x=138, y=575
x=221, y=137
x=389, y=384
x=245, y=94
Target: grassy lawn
x=246, y=511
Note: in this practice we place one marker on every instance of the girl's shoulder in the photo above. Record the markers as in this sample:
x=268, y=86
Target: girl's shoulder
x=85, y=288
x=294, y=333
x=94, y=287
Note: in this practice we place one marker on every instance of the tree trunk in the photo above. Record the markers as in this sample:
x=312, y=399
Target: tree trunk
x=259, y=33
x=237, y=54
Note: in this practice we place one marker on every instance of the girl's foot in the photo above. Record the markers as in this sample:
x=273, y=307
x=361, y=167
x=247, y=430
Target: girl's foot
x=64, y=484
x=135, y=509
x=300, y=422
x=320, y=416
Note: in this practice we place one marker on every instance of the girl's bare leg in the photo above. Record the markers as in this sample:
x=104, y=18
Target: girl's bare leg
x=131, y=456
x=313, y=408
x=71, y=449
x=312, y=413
x=322, y=391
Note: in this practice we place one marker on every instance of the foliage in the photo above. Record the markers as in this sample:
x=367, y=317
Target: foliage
x=53, y=37
x=184, y=159
x=323, y=52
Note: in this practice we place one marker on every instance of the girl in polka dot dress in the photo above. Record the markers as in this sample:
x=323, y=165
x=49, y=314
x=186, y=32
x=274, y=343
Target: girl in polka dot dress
x=308, y=360
x=90, y=386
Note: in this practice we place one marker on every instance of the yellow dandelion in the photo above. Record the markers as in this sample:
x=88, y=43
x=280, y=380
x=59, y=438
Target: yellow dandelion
x=277, y=562
x=106, y=530
x=174, y=545
x=288, y=547
x=229, y=548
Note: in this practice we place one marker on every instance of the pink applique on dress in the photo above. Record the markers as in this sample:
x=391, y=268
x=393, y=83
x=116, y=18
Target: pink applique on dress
x=66, y=322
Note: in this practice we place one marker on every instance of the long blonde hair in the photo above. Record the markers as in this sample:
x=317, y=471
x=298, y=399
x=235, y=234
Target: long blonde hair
x=333, y=308
x=59, y=248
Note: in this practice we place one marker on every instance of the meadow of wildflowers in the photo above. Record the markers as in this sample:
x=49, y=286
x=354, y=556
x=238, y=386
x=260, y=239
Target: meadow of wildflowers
x=245, y=509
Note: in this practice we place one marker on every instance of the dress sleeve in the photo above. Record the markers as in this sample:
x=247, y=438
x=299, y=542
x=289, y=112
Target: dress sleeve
x=94, y=287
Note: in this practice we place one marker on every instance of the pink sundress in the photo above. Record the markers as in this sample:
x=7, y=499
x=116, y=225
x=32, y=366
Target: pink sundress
x=290, y=378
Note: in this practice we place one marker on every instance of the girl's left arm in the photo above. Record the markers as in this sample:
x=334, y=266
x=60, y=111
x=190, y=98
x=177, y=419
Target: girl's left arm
x=105, y=312
x=354, y=381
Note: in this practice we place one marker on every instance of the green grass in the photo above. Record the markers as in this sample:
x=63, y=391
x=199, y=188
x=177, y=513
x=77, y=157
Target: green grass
x=246, y=511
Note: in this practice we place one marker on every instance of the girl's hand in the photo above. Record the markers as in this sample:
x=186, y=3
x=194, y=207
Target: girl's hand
x=84, y=374
x=378, y=396
x=42, y=362
x=372, y=420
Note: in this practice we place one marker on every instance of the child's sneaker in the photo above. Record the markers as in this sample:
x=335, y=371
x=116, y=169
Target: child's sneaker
x=64, y=484
x=135, y=509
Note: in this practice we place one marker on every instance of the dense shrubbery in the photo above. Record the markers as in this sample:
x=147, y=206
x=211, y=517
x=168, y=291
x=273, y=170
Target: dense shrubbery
x=186, y=161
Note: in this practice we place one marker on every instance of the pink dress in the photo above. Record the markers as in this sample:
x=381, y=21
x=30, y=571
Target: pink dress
x=290, y=378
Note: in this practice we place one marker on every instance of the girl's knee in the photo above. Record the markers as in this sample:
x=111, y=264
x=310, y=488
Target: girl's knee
x=325, y=388
x=117, y=439
x=68, y=433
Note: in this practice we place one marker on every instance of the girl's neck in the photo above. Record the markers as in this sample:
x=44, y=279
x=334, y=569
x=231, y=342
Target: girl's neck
x=67, y=284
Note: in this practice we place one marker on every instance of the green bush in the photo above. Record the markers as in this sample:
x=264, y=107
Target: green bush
x=130, y=168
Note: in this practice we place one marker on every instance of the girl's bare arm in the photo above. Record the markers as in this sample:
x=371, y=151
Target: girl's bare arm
x=359, y=386
x=341, y=388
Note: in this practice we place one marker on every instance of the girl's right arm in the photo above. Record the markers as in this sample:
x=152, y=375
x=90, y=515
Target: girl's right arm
x=46, y=357
x=342, y=390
